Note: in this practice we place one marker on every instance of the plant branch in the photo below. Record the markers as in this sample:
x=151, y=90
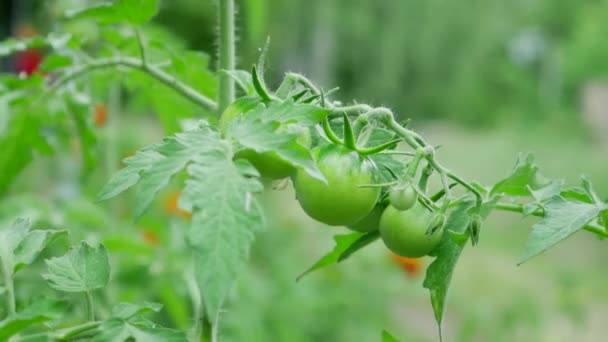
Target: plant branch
x=518, y=208
x=226, y=53
x=134, y=63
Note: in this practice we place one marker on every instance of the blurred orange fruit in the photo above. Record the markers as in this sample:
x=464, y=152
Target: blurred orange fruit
x=150, y=237
x=411, y=266
x=171, y=205
x=100, y=115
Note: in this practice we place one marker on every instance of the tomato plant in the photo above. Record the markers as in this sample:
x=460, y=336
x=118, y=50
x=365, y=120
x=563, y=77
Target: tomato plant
x=226, y=130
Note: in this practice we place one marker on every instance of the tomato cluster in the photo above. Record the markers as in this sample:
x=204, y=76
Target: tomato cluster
x=347, y=196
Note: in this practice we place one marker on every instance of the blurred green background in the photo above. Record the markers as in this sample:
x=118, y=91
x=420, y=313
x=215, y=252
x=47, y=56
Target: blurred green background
x=484, y=79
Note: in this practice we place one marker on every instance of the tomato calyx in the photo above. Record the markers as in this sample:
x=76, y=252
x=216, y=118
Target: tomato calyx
x=349, y=140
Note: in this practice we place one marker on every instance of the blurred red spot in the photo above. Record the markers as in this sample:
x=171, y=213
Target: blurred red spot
x=28, y=61
x=150, y=237
x=100, y=115
x=411, y=266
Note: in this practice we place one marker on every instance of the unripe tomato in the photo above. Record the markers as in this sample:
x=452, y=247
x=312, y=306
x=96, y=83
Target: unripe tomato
x=370, y=222
x=268, y=164
x=403, y=232
x=341, y=201
x=403, y=197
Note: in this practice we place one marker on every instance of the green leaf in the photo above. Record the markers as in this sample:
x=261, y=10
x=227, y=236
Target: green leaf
x=225, y=215
x=41, y=310
x=343, y=243
x=11, y=45
x=361, y=242
x=262, y=130
x=439, y=273
x=543, y=195
x=136, y=12
x=54, y=62
x=20, y=246
x=130, y=175
x=243, y=79
x=523, y=178
x=126, y=311
x=82, y=269
x=562, y=219
x=387, y=337
x=120, y=330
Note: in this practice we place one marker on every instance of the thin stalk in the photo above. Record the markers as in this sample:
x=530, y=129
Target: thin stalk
x=9, y=286
x=226, y=53
x=135, y=63
x=140, y=44
x=197, y=306
x=518, y=208
x=90, y=306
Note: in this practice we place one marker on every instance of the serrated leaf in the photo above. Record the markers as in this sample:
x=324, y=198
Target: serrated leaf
x=136, y=12
x=118, y=330
x=82, y=269
x=562, y=219
x=524, y=177
x=439, y=273
x=129, y=175
x=387, y=337
x=20, y=246
x=225, y=217
x=157, y=175
x=343, y=242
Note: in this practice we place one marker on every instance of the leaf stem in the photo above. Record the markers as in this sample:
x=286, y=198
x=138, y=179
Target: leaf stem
x=518, y=208
x=90, y=306
x=226, y=53
x=9, y=286
x=140, y=44
x=135, y=63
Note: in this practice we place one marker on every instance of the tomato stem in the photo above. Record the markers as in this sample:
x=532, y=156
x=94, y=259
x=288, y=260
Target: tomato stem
x=134, y=63
x=226, y=51
x=9, y=288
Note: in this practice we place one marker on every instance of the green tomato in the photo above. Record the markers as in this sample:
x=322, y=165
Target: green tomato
x=267, y=163
x=403, y=197
x=403, y=232
x=370, y=222
x=341, y=201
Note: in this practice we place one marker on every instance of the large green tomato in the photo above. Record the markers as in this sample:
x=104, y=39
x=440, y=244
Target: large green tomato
x=268, y=164
x=341, y=201
x=371, y=222
x=403, y=232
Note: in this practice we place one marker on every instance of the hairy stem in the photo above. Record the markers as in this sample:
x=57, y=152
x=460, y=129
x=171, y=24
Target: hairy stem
x=226, y=53
x=9, y=289
x=155, y=72
x=518, y=208
x=90, y=306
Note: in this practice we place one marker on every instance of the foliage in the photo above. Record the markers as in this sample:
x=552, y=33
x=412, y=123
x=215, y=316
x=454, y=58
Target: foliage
x=220, y=187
